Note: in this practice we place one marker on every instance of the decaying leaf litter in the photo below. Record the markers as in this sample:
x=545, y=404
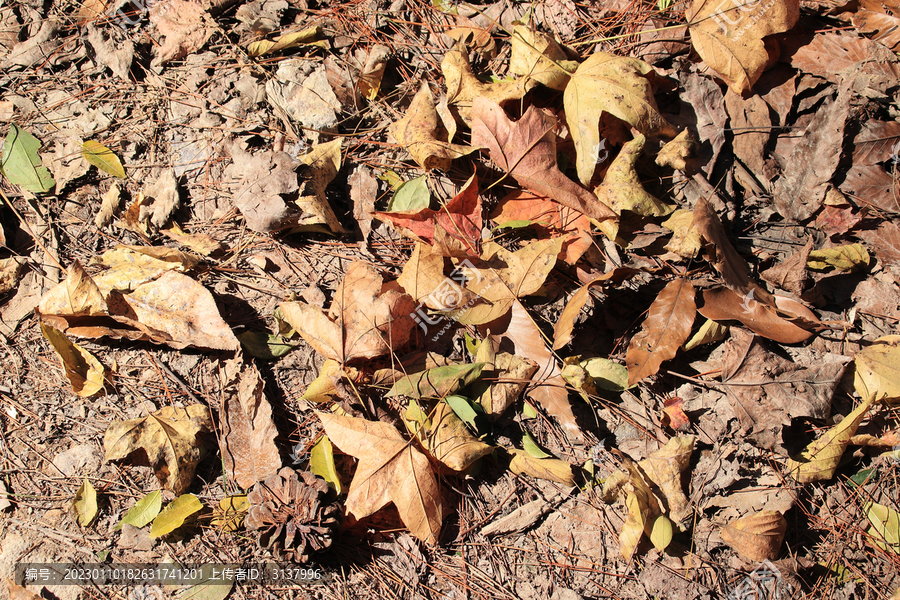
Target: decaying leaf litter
x=553, y=300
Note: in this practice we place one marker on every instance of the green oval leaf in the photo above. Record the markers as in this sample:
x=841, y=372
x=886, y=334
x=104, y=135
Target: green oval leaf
x=531, y=446
x=437, y=382
x=321, y=463
x=176, y=513
x=143, y=512
x=21, y=164
x=103, y=158
x=411, y=196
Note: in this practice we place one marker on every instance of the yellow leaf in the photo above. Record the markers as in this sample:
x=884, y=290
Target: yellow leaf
x=674, y=153
x=551, y=469
x=175, y=515
x=618, y=86
x=621, y=188
x=143, y=512
x=85, y=504
x=664, y=468
x=885, y=525
x=103, y=158
x=819, y=460
x=324, y=162
x=288, y=40
x=686, y=238
x=849, y=257
x=660, y=532
x=82, y=368
x=709, y=332
x=321, y=463
x=757, y=537
x=446, y=437
x=229, y=514
x=78, y=295
x=878, y=369
x=322, y=388
x=640, y=508
x=168, y=437
x=537, y=56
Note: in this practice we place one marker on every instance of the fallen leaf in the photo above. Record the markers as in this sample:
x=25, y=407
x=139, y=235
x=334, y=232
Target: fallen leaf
x=674, y=415
x=531, y=446
x=722, y=304
x=667, y=326
x=263, y=183
x=322, y=388
x=880, y=22
x=877, y=371
x=200, y=243
x=757, y=537
x=168, y=438
x=229, y=514
x=103, y=158
x=847, y=53
x=460, y=220
x=665, y=468
x=548, y=219
x=686, y=238
x=85, y=503
x=143, y=512
x=885, y=241
x=871, y=185
x=676, y=151
x=606, y=374
x=83, y=370
x=512, y=375
x=249, y=453
x=751, y=125
x=621, y=188
x=411, y=196
x=526, y=151
x=390, y=469
x=885, y=528
x=421, y=134
x=437, y=382
x=551, y=469
x=445, y=436
x=770, y=390
x=423, y=278
x=183, y=24
x=175, y=515
x=362, y=322
x=109, y=204
x=20, y=162
x=812, y=164
x=729, y=36
x=537, y=56
x=640, y=508
x=323, y=162
x=90, y=10
x=210, y=584
x=792, y=273
x=17, y=592
x=565, y=324
x=321, y=463
x=518, y=520
x=616, y=85
x=463, y=88
x=286, y=41
x=264, y=345
x=372, y=72
x=363, y=193
x=849, y=257
x=708, y=333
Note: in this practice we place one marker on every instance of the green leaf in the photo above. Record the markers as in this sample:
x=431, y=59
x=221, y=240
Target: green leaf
x=85, y=504
x=659, y=532
x=606, y=374
x=264, y=345
x=437, y=382
x=464, y=409
x=102, y=555
x=103, y=158
x=176, y=513
x=860, y=479
x=663, y=5
x=392, y=178
x=212, y=584
x=528, y=411
x=516, y=224
x=885, y=525
x=143, y=512
x=321, y=463
x=21, y=164
x=531, y=446
x=411, y=196
x=471, y=343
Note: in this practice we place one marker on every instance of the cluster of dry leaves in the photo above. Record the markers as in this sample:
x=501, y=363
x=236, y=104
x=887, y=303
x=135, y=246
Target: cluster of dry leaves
x=813, y=145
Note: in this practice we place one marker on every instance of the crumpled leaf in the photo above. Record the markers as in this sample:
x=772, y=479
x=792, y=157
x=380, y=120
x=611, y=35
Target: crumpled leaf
x=85, y=503
x=321, y=462
x=103, y=158
x=664, y=468
x=183, y=25
x=175, y=515
x=82, y=368
x=421, y=134
x=885, y=530
x=820, y=459
x=616, y=85
x=512, y=375
x=161, y=198
x=641, y=508
x=263, y=184
x=361, y=323
x=551, y=469
x=756, y=537
x=674, y=415
x=849, y=257
x=667, y=326
x=878, y=369
x=526, y=150
x=621, y=188
x=229, y=514
x=20, y=162
x=168, y=438
x=264, y=345
x=437, y=382
x=445, y=436
x=537, y=56
x=143, y=512
x=729, y=36
x=674, y=153
x=305, y=37
x=372, y=71
x=249, y=453
x=463, y=88
x=390, y=469
x=722, y=304
x=453, y=230
x=322, y=388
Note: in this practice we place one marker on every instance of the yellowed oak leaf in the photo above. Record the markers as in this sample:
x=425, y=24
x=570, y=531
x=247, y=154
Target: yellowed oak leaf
x=537, y=56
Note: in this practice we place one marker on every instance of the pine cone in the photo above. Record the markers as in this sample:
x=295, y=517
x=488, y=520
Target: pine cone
x=294, y=512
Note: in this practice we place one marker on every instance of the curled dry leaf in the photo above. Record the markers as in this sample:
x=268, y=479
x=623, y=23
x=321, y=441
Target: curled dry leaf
x=168, y=438
x=82, y=368
x=621, y=188
x=362, y=321
x=641, y=508
x=757, y=537
x=551, y=469
x=437, y=382
x=323, y=162
x=526, y=150
x=616, y=85
x=729, y=36
x=665, y=329
x=510, y=375
x=423, y=278
x=722, y=304
x=390, y=469
x=664, y=468
x=685, y=237
x=676, y=151
x=183, y=25
x=421, y=134
x=248, y=445
x=445, y=436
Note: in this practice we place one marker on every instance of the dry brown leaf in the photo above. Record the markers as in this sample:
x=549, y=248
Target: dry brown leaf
x=844, y=53
x=262, y=184
x=90, y=10
x=551, y=469
x=82, y=368
x=17, y=592
x=877, y=142
x=168, y=438
x=752, y=125
x=728, y=36
x=666, y=328
x=10, y=270
x=526, y=150
x=323, y=162
x=885, y=241
x=200, y=243
x=512, y=375
x=362, y=321
x=664, y=468
x=183, y=25
x=621, y=188
x=248, y=445
x=757, y=537
x=879, y=21
x=445, y=436
x=363, y=192
x=565, y=324
x=722, y=304
x=78, y=295
x=421, y=134
x=373, y=70
x=390, y=469
x=872, y=185
x=109, y=204
x=162, y=199
x=791, y=274
x=423, y=278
